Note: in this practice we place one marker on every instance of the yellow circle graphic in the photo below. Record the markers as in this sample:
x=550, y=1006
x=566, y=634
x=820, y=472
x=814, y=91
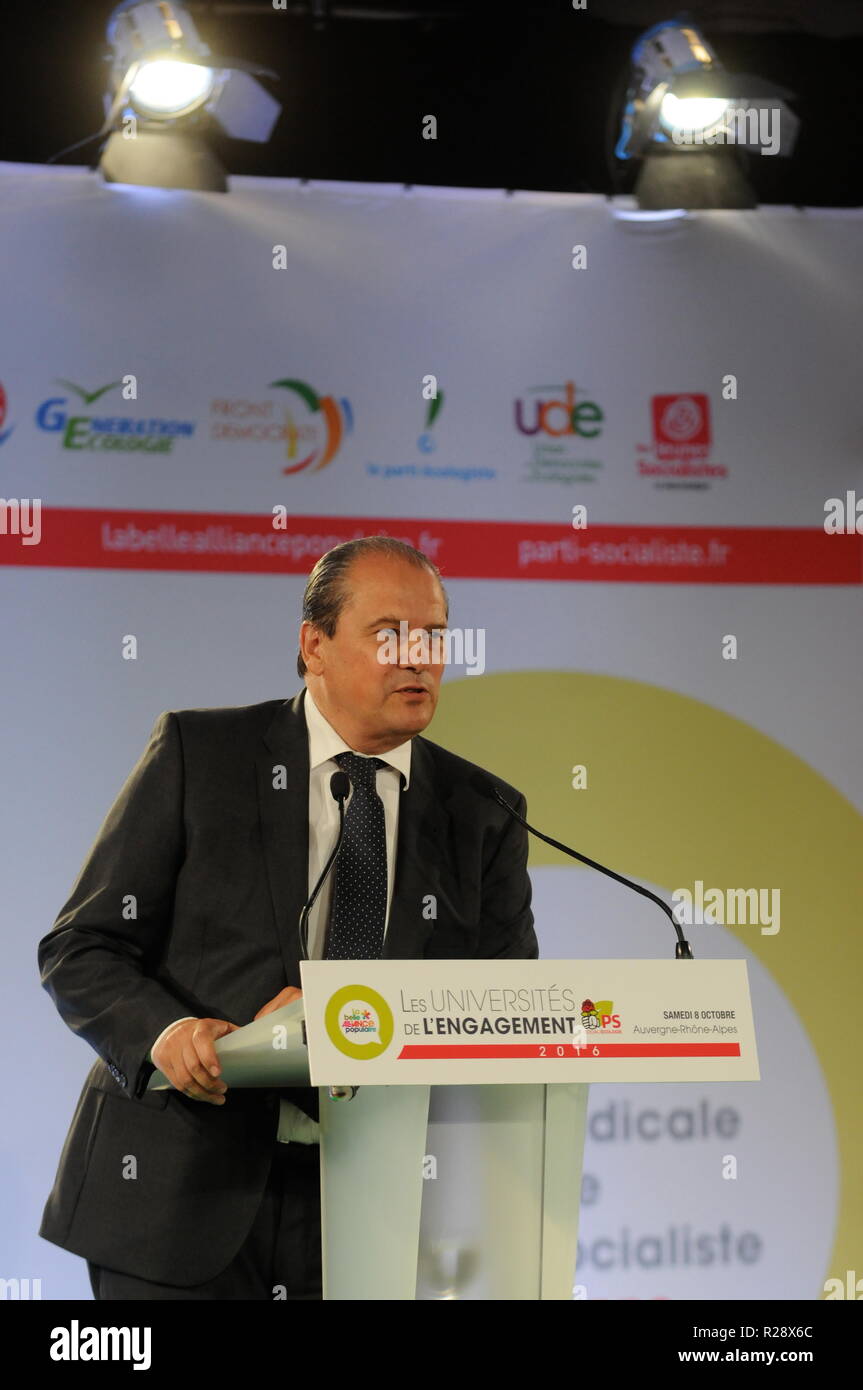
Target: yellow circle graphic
x=359, y=1022
x=672, y=783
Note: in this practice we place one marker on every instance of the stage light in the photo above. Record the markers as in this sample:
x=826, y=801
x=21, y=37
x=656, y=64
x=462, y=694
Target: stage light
x=167, y=91
x=170, y=88
x=661, y=57
x=691, y=113
x=684, y=117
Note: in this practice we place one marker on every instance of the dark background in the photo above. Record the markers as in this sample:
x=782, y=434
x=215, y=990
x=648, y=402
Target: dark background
x=523, y=93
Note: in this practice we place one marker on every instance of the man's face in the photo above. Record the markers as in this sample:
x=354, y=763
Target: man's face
x=374, y=704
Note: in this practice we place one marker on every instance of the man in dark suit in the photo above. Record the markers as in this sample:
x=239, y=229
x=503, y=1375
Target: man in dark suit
x=183, y=926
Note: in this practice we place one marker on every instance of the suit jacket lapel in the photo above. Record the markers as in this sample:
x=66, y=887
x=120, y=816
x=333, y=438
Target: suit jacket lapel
x=284, y=812
x=421, y=841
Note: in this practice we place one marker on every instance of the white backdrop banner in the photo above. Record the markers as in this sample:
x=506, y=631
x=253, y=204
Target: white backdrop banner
x=201, y=393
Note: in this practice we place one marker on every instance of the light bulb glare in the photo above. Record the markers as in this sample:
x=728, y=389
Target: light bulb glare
x=166, y=87
x=691, y=113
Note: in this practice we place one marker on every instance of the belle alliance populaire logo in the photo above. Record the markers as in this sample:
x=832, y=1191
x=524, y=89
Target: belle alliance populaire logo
x=359, y=1022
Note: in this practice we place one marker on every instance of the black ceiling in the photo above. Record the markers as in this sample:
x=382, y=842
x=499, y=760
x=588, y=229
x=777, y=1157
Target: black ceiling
x=522, y=92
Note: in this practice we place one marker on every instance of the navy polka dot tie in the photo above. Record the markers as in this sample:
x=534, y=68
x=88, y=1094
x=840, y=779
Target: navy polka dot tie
x=359, y=903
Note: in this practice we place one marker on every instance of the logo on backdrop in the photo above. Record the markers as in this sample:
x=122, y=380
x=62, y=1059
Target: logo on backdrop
x=4, y=434
x=359, y=1022
x=116, y=433
x=600, y=1015
x=426, y=444
x=679, y=454
x=561, y=422
x=308, y=427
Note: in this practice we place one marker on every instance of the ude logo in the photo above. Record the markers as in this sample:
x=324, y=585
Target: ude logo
x=559, y=417
x=359, y=1022
x=559, y=423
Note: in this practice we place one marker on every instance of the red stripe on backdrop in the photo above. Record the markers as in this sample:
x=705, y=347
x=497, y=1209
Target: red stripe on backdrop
x=414, y=1052
x=81, y=538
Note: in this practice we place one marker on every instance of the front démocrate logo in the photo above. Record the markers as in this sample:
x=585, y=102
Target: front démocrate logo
x=308, y=427
x=359, y=1022
x=599, y=1015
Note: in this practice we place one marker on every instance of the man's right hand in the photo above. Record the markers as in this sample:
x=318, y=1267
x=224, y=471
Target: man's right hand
x=188, y=1058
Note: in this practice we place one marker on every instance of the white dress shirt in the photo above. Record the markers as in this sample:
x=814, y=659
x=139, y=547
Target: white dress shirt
x=324, y=744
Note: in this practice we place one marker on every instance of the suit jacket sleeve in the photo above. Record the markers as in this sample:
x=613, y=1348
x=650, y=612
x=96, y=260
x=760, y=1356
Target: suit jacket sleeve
x=98, y=962
x=507, y=919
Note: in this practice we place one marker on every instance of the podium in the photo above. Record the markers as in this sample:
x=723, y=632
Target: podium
x=454, y=1169
x=391, y=1167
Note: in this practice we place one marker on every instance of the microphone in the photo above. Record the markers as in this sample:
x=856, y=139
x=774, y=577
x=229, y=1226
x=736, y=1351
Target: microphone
x=340, y=786
x=683, y=950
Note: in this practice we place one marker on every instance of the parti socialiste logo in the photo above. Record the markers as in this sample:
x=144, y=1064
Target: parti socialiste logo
x=599, y=1016
x=679, y=454
x=308, y=427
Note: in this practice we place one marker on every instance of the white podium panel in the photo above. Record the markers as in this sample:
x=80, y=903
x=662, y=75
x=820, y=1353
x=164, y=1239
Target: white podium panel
x=501, y=1193
x=371, y=1191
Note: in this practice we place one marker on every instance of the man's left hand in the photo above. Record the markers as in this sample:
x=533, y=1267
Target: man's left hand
x=284, y=996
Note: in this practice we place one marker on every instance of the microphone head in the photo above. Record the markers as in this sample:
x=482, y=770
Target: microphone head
x=340, y=785
x=486, y=787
